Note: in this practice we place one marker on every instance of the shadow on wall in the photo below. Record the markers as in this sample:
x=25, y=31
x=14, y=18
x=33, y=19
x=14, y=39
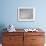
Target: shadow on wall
x=2, y=26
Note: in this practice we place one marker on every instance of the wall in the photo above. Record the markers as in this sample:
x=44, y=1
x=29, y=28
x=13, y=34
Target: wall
x=9, y=13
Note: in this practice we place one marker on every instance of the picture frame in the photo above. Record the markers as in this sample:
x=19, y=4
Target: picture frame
x=26, y=14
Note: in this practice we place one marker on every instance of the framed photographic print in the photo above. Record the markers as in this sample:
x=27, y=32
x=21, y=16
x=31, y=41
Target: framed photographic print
x=26, y=14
